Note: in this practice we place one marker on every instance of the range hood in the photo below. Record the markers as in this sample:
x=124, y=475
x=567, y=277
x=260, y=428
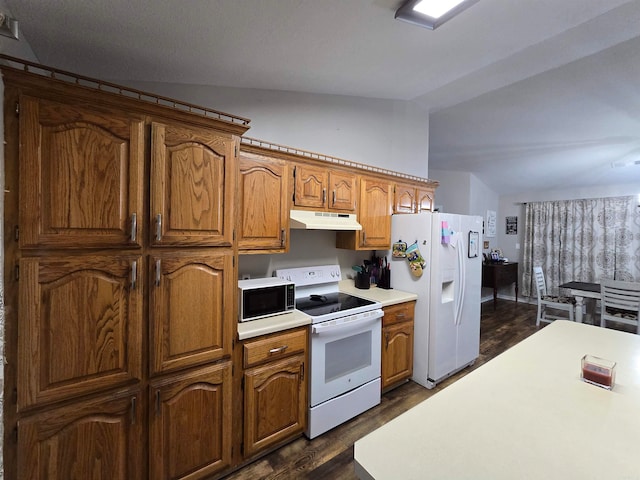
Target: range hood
x=308, y=220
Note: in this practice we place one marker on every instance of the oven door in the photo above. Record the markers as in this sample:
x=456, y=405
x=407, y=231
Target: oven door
x=345, y=354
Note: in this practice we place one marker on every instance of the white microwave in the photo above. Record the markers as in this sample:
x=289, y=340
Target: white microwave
x=264, y=297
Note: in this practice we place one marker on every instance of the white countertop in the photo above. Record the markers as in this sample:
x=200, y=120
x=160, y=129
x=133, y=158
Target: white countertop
x=277, y=323
x=524, y=415
x=386, y=297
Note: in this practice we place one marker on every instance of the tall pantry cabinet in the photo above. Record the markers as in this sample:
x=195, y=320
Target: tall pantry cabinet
x=119, y=278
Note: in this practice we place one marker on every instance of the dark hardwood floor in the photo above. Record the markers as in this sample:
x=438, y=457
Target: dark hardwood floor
x=330, y=456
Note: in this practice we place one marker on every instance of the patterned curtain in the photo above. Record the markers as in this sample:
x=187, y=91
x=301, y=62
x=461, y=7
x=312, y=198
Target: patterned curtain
x=581, y=240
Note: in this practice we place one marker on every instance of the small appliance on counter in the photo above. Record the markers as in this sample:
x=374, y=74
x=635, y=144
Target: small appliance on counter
x=264, y=297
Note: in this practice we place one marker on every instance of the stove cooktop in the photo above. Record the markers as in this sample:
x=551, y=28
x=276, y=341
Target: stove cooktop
x=317, y=305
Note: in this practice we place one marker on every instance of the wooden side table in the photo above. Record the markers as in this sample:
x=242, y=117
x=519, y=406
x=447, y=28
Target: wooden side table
x=496, y=275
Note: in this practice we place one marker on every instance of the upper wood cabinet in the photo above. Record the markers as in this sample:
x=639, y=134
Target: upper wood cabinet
x=80, y=175
x=192, y=186
x=190, y=304
x=190, y=424
x=264, y=204
x=320, y=188
x=99, y=438
x=374, y=214
x=80, y=326
x=424, y=200
x=411, y=199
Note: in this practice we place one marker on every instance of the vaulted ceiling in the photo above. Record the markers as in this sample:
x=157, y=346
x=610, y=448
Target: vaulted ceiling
x=527, y=94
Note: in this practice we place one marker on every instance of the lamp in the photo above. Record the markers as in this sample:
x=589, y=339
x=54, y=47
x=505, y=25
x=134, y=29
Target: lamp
x=431, y=13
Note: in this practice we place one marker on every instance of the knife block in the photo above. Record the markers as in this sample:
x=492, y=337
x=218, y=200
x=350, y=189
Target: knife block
x=385, y=279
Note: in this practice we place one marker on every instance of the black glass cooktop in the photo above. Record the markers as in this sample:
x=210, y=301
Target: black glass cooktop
x=316, y=305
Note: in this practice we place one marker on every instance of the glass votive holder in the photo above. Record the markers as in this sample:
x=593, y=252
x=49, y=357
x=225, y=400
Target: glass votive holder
x=598, y=371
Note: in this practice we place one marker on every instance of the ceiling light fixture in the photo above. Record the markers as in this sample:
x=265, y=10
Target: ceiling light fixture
x=431, y=13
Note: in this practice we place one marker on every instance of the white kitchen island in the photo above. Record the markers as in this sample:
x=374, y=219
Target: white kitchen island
x=524, y=415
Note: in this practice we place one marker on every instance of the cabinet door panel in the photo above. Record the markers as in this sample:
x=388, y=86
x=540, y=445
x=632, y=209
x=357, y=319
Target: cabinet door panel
x=343, y=189
x=264, y=204
x=397, y=353
x=375, y=214
x=192, y=174
x=102, y=438
x=190, y=324
x=424, y=200
x=80, y=175
x=190, y=424
x=80, y=326
x=405, y=199
x=310, y=187
x=275, y=403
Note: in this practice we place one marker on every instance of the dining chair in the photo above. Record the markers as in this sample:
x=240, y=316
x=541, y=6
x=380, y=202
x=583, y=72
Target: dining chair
x=620, y=302
x=555, y=302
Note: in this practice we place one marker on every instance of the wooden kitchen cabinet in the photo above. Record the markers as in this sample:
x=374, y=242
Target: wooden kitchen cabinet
x=424, y=200
x=264, y=204
x=193, y=185
x=374, y=214
x=397, y=344
x=190, y=423
x=87, y=172
x=98, y=438
x=275, y=389
x=411, y=199
x=321, y=188
x=188, y=293
x=80, y=328
x=80, y=175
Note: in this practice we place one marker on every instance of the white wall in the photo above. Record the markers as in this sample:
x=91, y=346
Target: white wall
x=383, y=133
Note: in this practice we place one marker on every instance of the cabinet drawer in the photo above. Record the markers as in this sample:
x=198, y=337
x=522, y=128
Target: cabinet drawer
x=274, y=346
x=398, y=313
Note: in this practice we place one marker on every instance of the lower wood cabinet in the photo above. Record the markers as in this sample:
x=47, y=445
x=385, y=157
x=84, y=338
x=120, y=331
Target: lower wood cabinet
x=275, y=389
x=99, y=438
x=397, y=344
x=190, y=424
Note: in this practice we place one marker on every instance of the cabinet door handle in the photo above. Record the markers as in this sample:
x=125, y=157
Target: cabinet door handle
x=133, y=410
x=324, y=195
x=364, y=237
x=159, y=227
x=158, y=271
x=334, y=198
x=134, y=274
x=134, y=227
x=278, y=350
x=283, y=237
x=301, y=372
x=386, y=340
x=157, y=402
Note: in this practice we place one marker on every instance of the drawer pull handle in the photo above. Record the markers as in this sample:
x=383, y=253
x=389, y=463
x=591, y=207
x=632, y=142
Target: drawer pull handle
x=400, y=315
x=281, y=349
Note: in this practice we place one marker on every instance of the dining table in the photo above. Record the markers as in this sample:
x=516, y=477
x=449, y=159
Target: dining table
x=526, y=414
x=582, y=291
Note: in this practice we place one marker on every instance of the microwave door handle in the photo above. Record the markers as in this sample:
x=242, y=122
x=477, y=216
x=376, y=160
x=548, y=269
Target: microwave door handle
x=325, y=329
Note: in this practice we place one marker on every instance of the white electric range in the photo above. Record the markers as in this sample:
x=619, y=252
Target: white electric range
x=345, y=347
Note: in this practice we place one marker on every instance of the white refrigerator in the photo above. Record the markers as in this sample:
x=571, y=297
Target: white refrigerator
x=447, y=316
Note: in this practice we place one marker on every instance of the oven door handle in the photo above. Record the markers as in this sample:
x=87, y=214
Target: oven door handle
x=325, y=328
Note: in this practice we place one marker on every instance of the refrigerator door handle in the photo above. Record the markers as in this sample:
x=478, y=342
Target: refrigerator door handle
x=461, y=267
